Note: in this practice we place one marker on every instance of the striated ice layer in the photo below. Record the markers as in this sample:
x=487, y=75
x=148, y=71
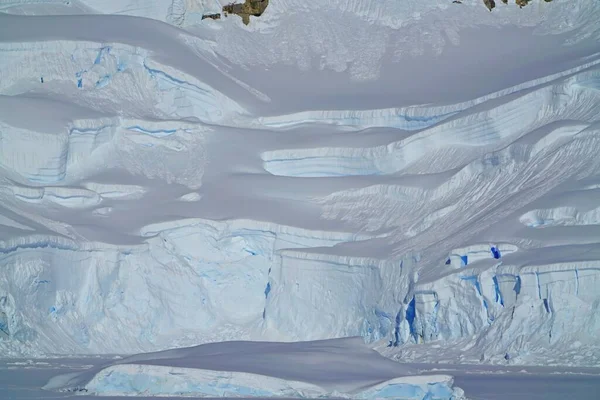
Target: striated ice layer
x=168, y=381
x=146, y=380
x=480, y=128
x=114, y=74
x=105, y=300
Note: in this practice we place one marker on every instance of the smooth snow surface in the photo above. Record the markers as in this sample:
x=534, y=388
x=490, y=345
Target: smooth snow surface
x=422, y=174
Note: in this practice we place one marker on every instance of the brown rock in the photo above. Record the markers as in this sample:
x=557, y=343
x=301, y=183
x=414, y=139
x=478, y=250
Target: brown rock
x=490, y=4
x=250, y=7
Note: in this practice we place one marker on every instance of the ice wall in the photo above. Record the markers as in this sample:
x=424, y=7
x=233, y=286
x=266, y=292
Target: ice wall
x=128, y=380
x=191, y=281
x=136, y=380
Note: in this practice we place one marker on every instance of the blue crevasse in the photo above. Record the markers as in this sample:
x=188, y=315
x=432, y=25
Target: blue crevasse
x=411, y=313
x=517, y=287
x=101, y=53
x=547, y=306
x=474, y=280
x=155, y=132
x=497, y=291
x=495, y=252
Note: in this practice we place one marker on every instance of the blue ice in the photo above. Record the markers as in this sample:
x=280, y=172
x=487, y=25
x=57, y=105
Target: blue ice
x=411, y=313
x=156, y=133
x=87, y=131
x=154, y=72
x=495, y=252
x=497, y=291
x=321, y=166
x=36, y=245
x=399, y=391
x=435, y=391
x=103, y=81
x=46, y=175
x=151, y=386
x=547, y=306
x=412, y=123
x=101, y=54
x=474, y=280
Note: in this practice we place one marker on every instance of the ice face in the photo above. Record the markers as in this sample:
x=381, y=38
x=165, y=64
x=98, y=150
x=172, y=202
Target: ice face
x=147, y=380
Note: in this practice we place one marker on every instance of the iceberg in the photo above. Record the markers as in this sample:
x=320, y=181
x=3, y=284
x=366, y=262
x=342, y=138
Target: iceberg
x=343, y=368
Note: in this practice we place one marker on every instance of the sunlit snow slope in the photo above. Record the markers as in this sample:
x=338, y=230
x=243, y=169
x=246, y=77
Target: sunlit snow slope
x=421, y=174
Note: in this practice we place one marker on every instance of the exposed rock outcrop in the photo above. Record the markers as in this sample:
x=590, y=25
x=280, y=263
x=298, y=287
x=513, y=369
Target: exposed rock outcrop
x=245, y=10
x=491, y=4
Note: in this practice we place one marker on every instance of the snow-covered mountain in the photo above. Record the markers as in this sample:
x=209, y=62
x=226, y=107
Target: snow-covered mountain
x=423, y=174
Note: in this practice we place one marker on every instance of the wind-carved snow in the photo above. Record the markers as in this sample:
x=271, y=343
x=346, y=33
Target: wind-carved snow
x=56, y=153
x=192, y=196
x=114, y=74
x=561, y=216
x=395, y=118
x=111, y=191
x=153, y=197
x=5, y=221
x=64, y=196
x=481, y=127
x=77, y=148
x=176, y=12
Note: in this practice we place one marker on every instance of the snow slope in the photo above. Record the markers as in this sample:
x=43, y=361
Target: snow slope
x=343, y=368
x=406, y=172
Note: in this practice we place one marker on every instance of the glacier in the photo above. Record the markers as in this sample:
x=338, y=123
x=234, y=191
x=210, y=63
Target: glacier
x=410, y=173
